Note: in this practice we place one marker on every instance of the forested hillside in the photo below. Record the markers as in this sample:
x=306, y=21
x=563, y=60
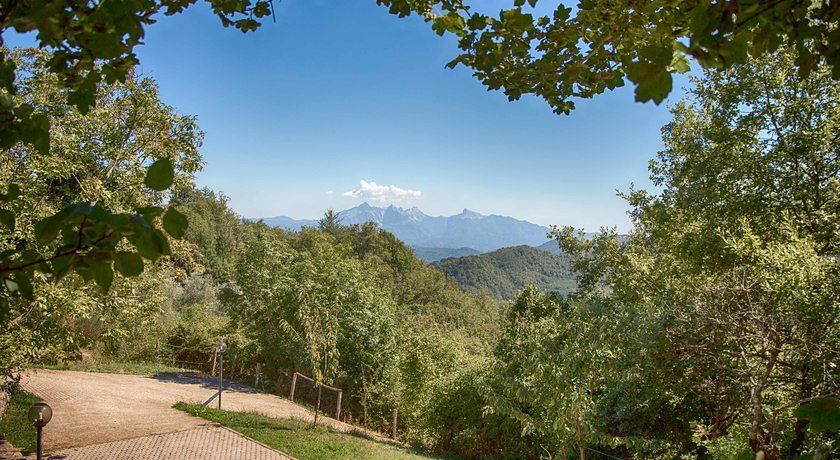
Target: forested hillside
x=505, y=273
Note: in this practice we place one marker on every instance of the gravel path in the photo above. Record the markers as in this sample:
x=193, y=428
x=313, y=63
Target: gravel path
x=96, y=408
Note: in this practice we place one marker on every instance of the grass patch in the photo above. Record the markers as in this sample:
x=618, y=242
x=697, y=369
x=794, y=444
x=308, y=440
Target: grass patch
x=113, y=367
x=14, y=424
x=297, y=437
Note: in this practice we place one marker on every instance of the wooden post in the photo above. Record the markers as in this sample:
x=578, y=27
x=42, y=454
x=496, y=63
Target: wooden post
x=257, y=377
x=338, y=407
x=292, y=392
x=394, y=425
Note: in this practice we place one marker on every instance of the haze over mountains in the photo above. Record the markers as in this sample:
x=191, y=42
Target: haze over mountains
x=437, y=237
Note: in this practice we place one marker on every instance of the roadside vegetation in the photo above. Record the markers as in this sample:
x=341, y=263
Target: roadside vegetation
x=300, y=439
x=113, y=367
x=15, y=426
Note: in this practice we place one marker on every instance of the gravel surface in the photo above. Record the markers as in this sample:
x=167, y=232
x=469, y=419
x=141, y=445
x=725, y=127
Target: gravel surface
x=96, y=408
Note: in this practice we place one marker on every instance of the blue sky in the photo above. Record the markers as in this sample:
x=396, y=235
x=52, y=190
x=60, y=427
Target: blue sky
x=336, y=92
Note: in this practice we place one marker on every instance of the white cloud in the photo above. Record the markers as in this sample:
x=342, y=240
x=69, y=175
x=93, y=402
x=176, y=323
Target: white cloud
x=382, y=193
x=329, y=192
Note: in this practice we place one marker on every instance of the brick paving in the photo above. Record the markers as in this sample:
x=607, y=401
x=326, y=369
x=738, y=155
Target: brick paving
x=122, y=415
x=209, y=443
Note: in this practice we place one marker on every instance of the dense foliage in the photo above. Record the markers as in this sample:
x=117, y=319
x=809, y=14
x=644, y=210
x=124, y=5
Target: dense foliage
x=505, y=273
x=102, y=162
x=583, y=50
x=710, y=332
x=731, y=274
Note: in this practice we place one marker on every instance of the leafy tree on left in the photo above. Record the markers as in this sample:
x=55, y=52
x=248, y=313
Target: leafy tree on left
x=91, y=43
x=91, y=206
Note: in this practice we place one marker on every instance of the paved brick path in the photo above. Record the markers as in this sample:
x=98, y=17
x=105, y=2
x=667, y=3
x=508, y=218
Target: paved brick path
x=209, y=443
x=93, y=410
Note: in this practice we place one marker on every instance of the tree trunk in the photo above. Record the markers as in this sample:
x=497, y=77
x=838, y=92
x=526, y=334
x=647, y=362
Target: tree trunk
x=799, y=427
x=581, y=448
x=317, y=406
x=758, y=436
x=320, y=387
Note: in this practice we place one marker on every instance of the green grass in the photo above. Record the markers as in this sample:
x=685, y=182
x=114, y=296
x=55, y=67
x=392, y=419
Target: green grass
x=14, y=424
x=113, y=367
x=299, y=439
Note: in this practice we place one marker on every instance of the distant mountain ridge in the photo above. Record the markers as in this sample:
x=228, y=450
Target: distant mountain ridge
x=468, y=229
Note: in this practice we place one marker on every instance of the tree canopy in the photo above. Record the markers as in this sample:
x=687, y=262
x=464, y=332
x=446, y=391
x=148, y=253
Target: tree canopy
x=732, y=267
x=582, y=51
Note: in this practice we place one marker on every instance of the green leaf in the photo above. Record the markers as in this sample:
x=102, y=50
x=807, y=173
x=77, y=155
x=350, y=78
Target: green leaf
x=7, y=218
x=451, y=22
x=62, y=266
x=152, y=244
x=36, y=131
x=175, y=223
x=24, y=284
x=653, y=81
x=128, y=263
x=46, y=230
x=103, y=274
x=12, y=192
x=83, y=95
x=147, y=246
x=822, y=414
x=160, y=175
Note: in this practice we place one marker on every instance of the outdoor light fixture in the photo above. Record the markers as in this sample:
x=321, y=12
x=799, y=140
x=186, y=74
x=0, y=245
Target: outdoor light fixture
x=40, y=414
x=222, y=348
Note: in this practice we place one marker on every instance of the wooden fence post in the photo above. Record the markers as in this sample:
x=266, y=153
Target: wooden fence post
x=292, y=392
x=394, y=425
x=338, y=407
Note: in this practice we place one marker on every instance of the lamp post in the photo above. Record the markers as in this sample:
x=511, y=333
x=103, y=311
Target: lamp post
x=40, y=414
x=222, y=348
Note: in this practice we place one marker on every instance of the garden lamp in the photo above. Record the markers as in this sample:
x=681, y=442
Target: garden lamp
x=222, y=348
x=40, y=414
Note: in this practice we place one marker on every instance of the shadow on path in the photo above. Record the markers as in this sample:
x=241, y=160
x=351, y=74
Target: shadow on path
x=210, y=383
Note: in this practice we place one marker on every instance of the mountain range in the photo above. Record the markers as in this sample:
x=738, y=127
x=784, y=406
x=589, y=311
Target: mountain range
x=436, y=237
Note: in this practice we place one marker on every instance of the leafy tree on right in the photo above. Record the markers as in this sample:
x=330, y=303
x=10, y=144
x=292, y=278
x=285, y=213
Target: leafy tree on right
x=724, y=299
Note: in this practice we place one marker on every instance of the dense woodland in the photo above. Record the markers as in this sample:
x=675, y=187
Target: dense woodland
x=709, y=332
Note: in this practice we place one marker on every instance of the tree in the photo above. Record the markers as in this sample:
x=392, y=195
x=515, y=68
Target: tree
x=553, y=361
x=216, y=231
x=582, y=52
x=97, y=161
x=331, y=221
x=314, y=307
x=736, y=257
x=90, y=43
